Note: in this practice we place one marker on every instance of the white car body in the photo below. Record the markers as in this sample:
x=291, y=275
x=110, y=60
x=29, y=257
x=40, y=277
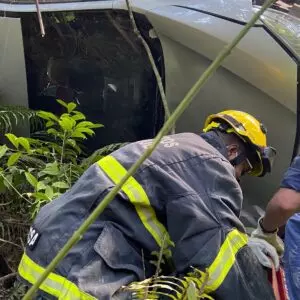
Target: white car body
x=260, y=75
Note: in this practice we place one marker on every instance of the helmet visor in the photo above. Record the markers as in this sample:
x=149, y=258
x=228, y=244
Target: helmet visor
x=262, y=161
x=268, y=155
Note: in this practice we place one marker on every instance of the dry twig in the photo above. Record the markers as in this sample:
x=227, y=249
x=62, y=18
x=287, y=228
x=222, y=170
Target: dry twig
x=8, y=276
x=154, y=67
x=40, y=18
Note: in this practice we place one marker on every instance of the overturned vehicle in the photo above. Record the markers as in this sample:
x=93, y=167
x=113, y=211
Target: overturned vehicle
x=91, y=55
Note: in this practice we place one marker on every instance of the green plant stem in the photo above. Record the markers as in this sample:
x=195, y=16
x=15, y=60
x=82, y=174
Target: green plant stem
x=175, y=115
x=63, y=147
x=160, y=257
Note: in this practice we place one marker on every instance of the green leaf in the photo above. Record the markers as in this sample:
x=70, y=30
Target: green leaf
x=34, y=141
x=47, y=116
x=78, y=116
x=3, y=150
x=192, y=291
x=31, y=179
x=56, y=195
x=49, y=123
x=66, y=123
x=13, y=139
x=40, y=196
x=84, y=124
x=61, y=185
x=13, y=159
x=85, y=130
x=54, y=132
x=71, y=107
x=51, y=169
x=77, y=134
x=41, y=186
x=63, y=103
x=74, y=146
x=88, y=124
x=24, y=143
x=72, y=142
x=96, y=125
x=49, y=192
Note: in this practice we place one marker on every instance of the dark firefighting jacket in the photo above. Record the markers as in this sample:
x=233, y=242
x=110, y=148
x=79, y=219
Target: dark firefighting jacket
x=185, y=193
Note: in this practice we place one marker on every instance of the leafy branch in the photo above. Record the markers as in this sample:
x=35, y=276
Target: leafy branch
x=190, y=287
x=11, y=116
x=50, y=168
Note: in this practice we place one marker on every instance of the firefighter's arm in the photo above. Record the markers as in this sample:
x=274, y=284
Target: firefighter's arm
x=192, y=228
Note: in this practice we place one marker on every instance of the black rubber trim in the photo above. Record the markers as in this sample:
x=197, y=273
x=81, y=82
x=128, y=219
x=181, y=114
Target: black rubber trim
x=296, y=150
x=270, y=32
x=217, y=15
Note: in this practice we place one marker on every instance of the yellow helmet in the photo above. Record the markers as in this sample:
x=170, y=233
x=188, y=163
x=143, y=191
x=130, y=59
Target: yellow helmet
x=251, y=131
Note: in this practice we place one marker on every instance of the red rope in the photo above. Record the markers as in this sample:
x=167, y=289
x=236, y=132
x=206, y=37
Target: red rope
x=277, y=280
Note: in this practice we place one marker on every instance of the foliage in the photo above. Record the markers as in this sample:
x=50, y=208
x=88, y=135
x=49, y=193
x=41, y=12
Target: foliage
x=190, y=287
x=12, y=116
x=16, y=292
x=35, y=170
x=49, y=167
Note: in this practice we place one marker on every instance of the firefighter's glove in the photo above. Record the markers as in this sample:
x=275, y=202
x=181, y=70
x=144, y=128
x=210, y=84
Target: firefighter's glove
x=271, y=238
x=264, y=252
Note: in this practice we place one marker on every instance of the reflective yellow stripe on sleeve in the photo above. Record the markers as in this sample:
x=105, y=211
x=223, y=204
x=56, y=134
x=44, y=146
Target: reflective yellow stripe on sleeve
x=138, y=197
x=54, y=284
x=225, y=259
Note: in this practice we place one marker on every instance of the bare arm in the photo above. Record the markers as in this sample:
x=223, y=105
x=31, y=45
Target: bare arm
x=284, y=204
x=286, y=201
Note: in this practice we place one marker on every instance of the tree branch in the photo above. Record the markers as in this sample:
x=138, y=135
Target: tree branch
x=152, y=62
x=40, y=18
x=6, y=277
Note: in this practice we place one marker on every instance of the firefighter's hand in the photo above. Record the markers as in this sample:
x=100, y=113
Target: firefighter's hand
x=271, y=238
x=264, y=252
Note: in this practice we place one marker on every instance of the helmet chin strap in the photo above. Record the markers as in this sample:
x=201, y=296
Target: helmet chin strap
x=238, y=159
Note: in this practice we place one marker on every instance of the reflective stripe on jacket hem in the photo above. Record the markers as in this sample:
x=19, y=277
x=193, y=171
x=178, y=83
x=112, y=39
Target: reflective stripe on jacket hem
x=55, y=285
x=225, y=259
x=138, y=197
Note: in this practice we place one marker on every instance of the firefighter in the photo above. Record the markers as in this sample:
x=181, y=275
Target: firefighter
x=185, y=199
x=284, y=208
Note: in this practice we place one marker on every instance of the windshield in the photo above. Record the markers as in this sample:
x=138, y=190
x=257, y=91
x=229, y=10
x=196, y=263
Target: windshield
x=283, y=19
